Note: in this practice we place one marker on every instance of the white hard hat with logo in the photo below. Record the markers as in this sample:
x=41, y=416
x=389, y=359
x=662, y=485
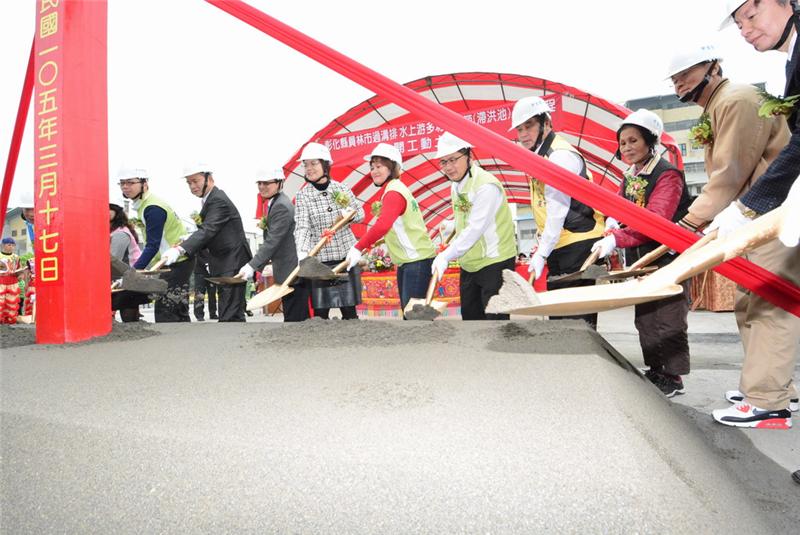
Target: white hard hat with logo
x=690, y=57
x=194, y=168
x=647, y=120
x=730, y=8
x=386, y=151
x=316, y=151
x=276, y=173
x=528, y=107
x=129, y=173
x=448, y=144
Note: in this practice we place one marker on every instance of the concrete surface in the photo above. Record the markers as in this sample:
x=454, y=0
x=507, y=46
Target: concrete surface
x=379, y=426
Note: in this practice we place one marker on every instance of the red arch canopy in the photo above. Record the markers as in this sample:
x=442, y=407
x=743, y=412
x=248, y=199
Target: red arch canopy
x=586, y=121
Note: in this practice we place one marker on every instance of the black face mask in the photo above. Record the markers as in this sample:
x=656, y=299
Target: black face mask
x=695, y=93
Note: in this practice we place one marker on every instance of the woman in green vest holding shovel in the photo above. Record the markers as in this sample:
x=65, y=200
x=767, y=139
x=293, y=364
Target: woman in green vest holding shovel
x=400, y=221
x=485, y=243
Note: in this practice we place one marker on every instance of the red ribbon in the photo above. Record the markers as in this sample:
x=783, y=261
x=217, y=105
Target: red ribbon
x=328, y=234
x=772, y=288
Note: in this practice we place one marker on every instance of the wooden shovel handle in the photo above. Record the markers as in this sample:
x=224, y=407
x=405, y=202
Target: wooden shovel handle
x=346, y=217
x=158, y=265
x=661, y=250
x=431, y=288
x=591, y=259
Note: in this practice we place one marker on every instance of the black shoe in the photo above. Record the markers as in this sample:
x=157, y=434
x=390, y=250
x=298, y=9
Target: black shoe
x=796, y=477
x=651, y=374
x=214, y=317
x=668, y=384
x=199, y=319
x=249, y=313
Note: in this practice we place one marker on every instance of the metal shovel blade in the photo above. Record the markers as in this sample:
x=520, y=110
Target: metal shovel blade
x=627, y=274
x=136, y=282
x=311, y=268
x=418, y=309
x=271, y=294
x=225, y=280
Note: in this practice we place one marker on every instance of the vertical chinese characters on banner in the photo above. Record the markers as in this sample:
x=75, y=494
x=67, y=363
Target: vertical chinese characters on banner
x=47, y=144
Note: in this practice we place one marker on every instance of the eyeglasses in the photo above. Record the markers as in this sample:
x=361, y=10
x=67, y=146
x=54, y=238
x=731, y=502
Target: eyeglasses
x=267, y=182
x=124, y=183
x=449, y=161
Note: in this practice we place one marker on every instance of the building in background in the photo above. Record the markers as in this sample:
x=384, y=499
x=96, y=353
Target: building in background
x=678, y=119
x=14, y=227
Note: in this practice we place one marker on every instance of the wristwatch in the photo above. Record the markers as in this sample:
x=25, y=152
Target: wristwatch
x=749, y=213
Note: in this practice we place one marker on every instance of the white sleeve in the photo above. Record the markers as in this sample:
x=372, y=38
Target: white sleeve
x=484, y=209
x=557, y=202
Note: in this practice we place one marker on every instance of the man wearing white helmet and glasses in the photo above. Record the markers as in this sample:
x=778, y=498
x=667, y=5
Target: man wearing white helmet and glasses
x=766, y=395
x=485, y=242
x=656, y=185
x=162, y=229
x=276, y=219
x=398, y=219
x=221, y=232
x=567, y=227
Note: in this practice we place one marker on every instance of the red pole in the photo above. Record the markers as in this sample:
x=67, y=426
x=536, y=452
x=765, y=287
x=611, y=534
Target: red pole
x=16, y=139
x=772, y=288
x=71, y=171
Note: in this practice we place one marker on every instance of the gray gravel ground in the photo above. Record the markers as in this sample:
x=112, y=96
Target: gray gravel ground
x=365, y=427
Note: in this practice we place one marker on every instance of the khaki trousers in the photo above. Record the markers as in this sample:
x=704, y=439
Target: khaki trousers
x=770, y=335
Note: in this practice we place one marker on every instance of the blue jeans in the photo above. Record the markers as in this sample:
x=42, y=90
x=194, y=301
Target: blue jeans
x=413, y=279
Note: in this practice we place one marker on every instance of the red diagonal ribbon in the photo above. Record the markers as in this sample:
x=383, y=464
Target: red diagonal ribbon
x=772, y=288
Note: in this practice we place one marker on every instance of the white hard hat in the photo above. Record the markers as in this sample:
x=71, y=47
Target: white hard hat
x=386, y=151
x=730, y=8
x=194, y=168
x=647, y=120
x=527, y=107
x=127, y=173
x=316, y=151
x=276, y=173
x=690, y=57
x=448, y=144
x=26, y=200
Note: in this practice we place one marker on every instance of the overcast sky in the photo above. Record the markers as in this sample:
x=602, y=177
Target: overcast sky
x=187, y=81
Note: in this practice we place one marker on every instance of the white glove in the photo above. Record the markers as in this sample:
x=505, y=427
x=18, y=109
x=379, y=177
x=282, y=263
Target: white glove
x=727, y=221
x=301, y=255
x=536, y=265
x=353, y=258
x=446, y=227
x=611, y=224
x=606, y=245
x=790, y=229
x=246, y=272
x=171, y=255
x=439, y=265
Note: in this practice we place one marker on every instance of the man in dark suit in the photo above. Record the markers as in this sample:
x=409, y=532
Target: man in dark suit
x=276, y=218
x=221, y=232
x=203, y=287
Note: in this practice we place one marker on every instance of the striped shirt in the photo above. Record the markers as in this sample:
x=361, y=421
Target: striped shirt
x=316, y=211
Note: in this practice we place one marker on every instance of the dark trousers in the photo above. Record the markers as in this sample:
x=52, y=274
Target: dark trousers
x=478, y=287
x=569, y=259
x=295, y=305
x=231, y=301
x=201, y=288
x=413, y=279
x=173, y=306
x=662, y=330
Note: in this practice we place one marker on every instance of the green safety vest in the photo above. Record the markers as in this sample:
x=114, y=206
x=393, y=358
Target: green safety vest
x=498, y=243
x=173, y=228
x=408, y=239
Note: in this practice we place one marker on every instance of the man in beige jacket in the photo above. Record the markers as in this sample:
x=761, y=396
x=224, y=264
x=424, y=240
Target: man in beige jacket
x=739, y=146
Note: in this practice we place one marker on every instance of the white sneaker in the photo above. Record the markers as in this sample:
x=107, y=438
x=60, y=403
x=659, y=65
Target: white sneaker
x=734, y=396
x=746, y=415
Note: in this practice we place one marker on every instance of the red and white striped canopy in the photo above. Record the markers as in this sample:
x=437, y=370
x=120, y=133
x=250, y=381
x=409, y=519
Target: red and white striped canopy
x=586, y=121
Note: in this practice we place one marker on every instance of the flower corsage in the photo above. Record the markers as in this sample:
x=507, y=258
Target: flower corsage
x=196, y=218
x=700, y=133
x=463, y=203
x=772, y=106
x=262, y=223
x=635, y=188
x=341, y=199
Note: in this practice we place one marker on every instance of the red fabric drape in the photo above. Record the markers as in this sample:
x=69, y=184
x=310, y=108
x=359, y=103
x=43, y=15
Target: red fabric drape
x=755, y=278
x=16, y=138
x=261, y=206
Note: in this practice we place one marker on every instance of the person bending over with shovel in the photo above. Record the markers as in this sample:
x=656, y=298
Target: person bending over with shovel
x=485, y=242
x=318, y=205
x=400, y=220
x=277, y=221
x=567, y=228
x=656, y=185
